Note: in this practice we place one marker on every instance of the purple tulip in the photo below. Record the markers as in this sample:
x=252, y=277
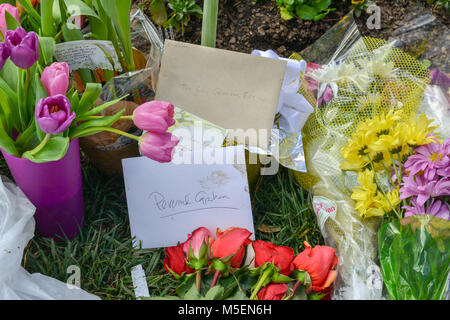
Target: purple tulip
x=53, y=114
x=5, y=53
x=24, y=47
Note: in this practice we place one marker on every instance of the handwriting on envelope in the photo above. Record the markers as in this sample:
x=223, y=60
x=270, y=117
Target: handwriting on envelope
x=166, y=202
x=230, y=89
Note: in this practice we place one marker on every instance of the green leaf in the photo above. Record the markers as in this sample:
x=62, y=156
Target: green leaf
x=7, y=89
x=285, y=14
x=185, y=285
x=119, y=13
x=320, y=16
x=46, y=50
x=240, y=295
x=6, y=142
x=158, y=12
x=214, y=293
x=76, y=8
x=89, y=98
x=26, y=4
x=11, y=22
x=47, y=22
x=98, y=109
x=10, y=74
x=306, y=12
x=192, y=294
x=321, y=5
x=107, y=121
x=54, y=150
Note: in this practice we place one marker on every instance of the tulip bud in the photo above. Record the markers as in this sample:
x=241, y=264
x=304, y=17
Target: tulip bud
x=24, y=47
x=55, y=78
x=154, y=116
x=12, y=11
x=158, y=146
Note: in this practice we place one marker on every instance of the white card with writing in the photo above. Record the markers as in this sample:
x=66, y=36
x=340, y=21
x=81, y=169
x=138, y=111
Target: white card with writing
x=168, y=201
x=88, y=54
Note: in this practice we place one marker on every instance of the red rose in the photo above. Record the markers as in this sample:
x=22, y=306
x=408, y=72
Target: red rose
x=319, y=263
x=273, y=291
x=175, y=260
x=231, y=242
x=268, y=252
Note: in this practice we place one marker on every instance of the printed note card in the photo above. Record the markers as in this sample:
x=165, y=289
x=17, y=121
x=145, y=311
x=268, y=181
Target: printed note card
x=168, y=201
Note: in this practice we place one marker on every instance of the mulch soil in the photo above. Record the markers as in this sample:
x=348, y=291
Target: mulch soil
x=244, y=25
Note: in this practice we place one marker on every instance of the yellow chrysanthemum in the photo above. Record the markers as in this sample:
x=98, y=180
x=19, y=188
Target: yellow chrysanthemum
x=356, y=153
x=364, y=195
x=416, y=130
x=386, y=205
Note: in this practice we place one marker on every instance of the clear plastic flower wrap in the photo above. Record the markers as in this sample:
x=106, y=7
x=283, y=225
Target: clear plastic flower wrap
x=365, y=79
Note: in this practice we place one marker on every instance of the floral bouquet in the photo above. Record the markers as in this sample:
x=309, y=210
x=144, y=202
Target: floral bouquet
x=231, y=266
x=374, y=84
x=404, y=176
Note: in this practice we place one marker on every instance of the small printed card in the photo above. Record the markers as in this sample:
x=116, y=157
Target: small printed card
x=88, y=54
x=168, y=201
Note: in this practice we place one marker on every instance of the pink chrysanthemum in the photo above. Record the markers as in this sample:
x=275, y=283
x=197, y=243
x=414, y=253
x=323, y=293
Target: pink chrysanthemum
x=435, y=207
x=430, y=160
x=424, y=189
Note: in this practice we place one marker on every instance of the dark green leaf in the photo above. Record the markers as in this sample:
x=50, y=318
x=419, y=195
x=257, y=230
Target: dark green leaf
x=54, y=150
x=89, y=98
x=306, y=12
x=158, y=12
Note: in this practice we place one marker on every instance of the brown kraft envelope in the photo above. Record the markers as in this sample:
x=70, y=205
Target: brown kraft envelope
x=230, y=89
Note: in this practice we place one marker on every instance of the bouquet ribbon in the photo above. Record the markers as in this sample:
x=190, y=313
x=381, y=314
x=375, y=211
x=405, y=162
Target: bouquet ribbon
x=293, y=107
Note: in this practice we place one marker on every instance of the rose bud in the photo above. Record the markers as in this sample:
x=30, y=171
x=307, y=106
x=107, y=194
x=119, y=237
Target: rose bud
x=5, y=52
x=55, y=78
x=231, y=243
x=53, y=114
x=12, y=11
x=24, y=47
x=318, y=262
x=266, y=252
x=158, y=146
x=196, y=240
x=154, y=116
x=175, y=261
x=273, y=291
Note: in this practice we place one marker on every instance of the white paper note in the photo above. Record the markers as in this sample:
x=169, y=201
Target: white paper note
x=168, y=201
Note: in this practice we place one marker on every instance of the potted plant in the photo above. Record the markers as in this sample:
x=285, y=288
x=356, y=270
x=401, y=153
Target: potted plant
x=41, y=120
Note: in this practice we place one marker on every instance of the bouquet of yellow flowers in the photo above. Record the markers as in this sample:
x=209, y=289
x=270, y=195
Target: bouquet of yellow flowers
x=364, y=129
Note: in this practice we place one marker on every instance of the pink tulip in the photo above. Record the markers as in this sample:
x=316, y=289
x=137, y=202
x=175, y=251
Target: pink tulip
x=154, y=116
x=196, y=240
x=55, y=78
x=158, y=146
x=11, y=10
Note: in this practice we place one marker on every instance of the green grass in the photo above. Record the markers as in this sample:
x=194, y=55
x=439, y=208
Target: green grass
x=104, y=250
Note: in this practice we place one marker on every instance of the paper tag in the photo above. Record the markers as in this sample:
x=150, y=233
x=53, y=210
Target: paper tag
x=139, y=282
x=88, y=54
x=324, y=208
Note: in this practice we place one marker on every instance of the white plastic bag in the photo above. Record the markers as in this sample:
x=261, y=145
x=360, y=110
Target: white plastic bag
x=16, y=230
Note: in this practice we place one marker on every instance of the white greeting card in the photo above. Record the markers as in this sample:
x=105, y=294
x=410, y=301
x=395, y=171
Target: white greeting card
x=168, y=201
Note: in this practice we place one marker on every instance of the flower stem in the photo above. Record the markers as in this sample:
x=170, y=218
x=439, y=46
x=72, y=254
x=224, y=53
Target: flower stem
x=41, y=145
x=377, y=181
x=260, y=283
x=198, y=280
x=101, y=117
x=215, y=279
x=122, y=133
x=294, y=289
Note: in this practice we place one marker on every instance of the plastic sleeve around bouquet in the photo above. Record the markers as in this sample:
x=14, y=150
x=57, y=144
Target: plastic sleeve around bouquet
x=358, y=95
x=415, y=257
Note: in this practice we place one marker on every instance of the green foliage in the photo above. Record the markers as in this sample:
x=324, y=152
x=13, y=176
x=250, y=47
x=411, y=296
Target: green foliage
x=304, y=9
x=181, y=11
x=415, y=258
